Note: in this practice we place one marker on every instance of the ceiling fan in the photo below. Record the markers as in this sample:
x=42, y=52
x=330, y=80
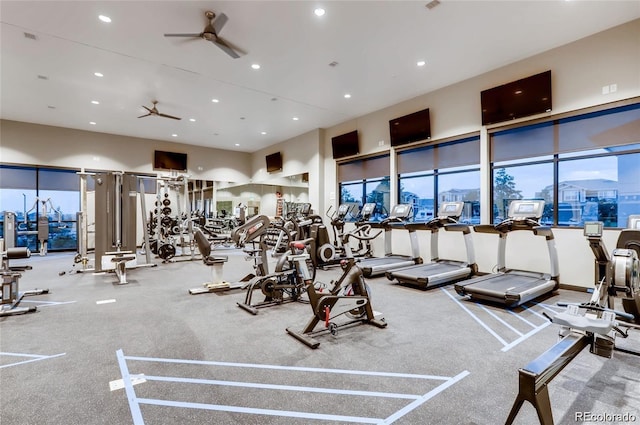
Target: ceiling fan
x=154, y=112
x=210, y=33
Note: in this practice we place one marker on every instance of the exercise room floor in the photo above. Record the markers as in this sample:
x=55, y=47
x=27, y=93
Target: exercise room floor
x=194, y=359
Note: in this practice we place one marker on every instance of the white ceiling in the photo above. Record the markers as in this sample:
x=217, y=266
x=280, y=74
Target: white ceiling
x=375, y=43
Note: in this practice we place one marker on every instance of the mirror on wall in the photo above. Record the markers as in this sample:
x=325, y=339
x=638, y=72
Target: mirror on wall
x=224, y=199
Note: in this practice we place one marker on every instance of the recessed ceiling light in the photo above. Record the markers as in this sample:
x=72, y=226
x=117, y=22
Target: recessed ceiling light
x=174, y=135
x=255, y=66
x=296, y=118
x=92, y=122
x=192, y=119
x=319, y=11
x=95, y=102
x=347, y=96
x=518, y=92
x=421, y=63
x=263, y=132
x=215, y=100
x=104, y=18
x=237, y=144
x=98, y=74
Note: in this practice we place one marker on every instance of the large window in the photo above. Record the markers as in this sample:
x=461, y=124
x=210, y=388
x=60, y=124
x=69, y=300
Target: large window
x=30, y=195
x=450, y=170
x=586, y=167
x=366, y=180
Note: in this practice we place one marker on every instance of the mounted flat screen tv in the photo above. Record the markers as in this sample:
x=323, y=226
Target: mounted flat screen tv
x=518, y=99
x=274, y=162
x=345, y=145
x=410, y=128
x=169, y=161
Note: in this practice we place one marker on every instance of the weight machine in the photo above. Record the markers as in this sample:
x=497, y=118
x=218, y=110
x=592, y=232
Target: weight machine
x=115, y=223
x=13, y=228
x=11, y=295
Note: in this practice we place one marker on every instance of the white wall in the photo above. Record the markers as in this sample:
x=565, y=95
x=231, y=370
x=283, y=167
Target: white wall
x=579, y=70
x=33, y=144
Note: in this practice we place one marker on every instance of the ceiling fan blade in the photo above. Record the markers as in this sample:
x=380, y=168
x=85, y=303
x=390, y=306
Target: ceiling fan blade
x=169, y=116
x=226, y=47
x=219, y=22
x=150, y=111
x=142, y=116
x=183, y=35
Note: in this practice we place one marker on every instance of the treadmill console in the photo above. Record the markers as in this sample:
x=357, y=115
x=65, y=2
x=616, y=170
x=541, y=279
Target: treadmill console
x=401, y=211
x=593, y=229
x=634, y=222
x=367, y=210
x=450, y=209
x=348, y=209
x=523, y=209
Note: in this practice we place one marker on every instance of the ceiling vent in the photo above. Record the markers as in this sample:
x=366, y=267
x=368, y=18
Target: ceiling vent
x=29, y=35
x=432, y=4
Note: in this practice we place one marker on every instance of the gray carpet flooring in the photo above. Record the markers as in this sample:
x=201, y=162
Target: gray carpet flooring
x=148, y=352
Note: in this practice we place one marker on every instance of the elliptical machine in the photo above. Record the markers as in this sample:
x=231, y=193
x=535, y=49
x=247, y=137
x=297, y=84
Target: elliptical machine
x=349, y=297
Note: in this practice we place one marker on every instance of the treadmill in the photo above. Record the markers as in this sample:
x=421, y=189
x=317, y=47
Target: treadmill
x=377, y=266
x=439, y=271
x=509, y=286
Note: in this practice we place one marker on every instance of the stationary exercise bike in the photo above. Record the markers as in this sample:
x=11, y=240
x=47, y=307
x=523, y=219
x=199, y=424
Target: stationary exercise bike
x=348, y=298
x=285, y=284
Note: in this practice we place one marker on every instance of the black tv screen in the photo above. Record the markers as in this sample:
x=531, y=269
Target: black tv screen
x=518, y=99
x=274, y=162
x=169, y=161
x=345, y=145
x=410, y=128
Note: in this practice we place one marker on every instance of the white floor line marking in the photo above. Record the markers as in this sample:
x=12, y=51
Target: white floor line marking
x=474, y=317
x=134, y=402
x=292, y=368
x=495, y=316
x=413, y=405
x=525, y=336
x=34, y=358
x=134, y=405
x=282, y=387
x=518, y=316
x=256, y=411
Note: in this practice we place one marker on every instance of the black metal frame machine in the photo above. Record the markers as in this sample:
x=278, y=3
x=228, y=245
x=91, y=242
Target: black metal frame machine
x=594, y=324
x=398, y=218
x=347, y=301
x=11, y=294
x=513, y=287
x=440, y=271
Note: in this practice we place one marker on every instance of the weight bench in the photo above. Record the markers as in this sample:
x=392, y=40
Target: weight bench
x=215, y=262
x=120, y=267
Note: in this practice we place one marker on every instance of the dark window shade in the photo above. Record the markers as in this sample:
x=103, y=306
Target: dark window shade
x=447, y=155
x=613, y=127
x=600, y=129
x=18, y=178
x=523, y=142
x=58, y=180
x=362, y=169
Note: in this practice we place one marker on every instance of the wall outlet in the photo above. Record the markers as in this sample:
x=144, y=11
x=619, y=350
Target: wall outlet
x=605, y=89
x=613, y=88
x=381, y=143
